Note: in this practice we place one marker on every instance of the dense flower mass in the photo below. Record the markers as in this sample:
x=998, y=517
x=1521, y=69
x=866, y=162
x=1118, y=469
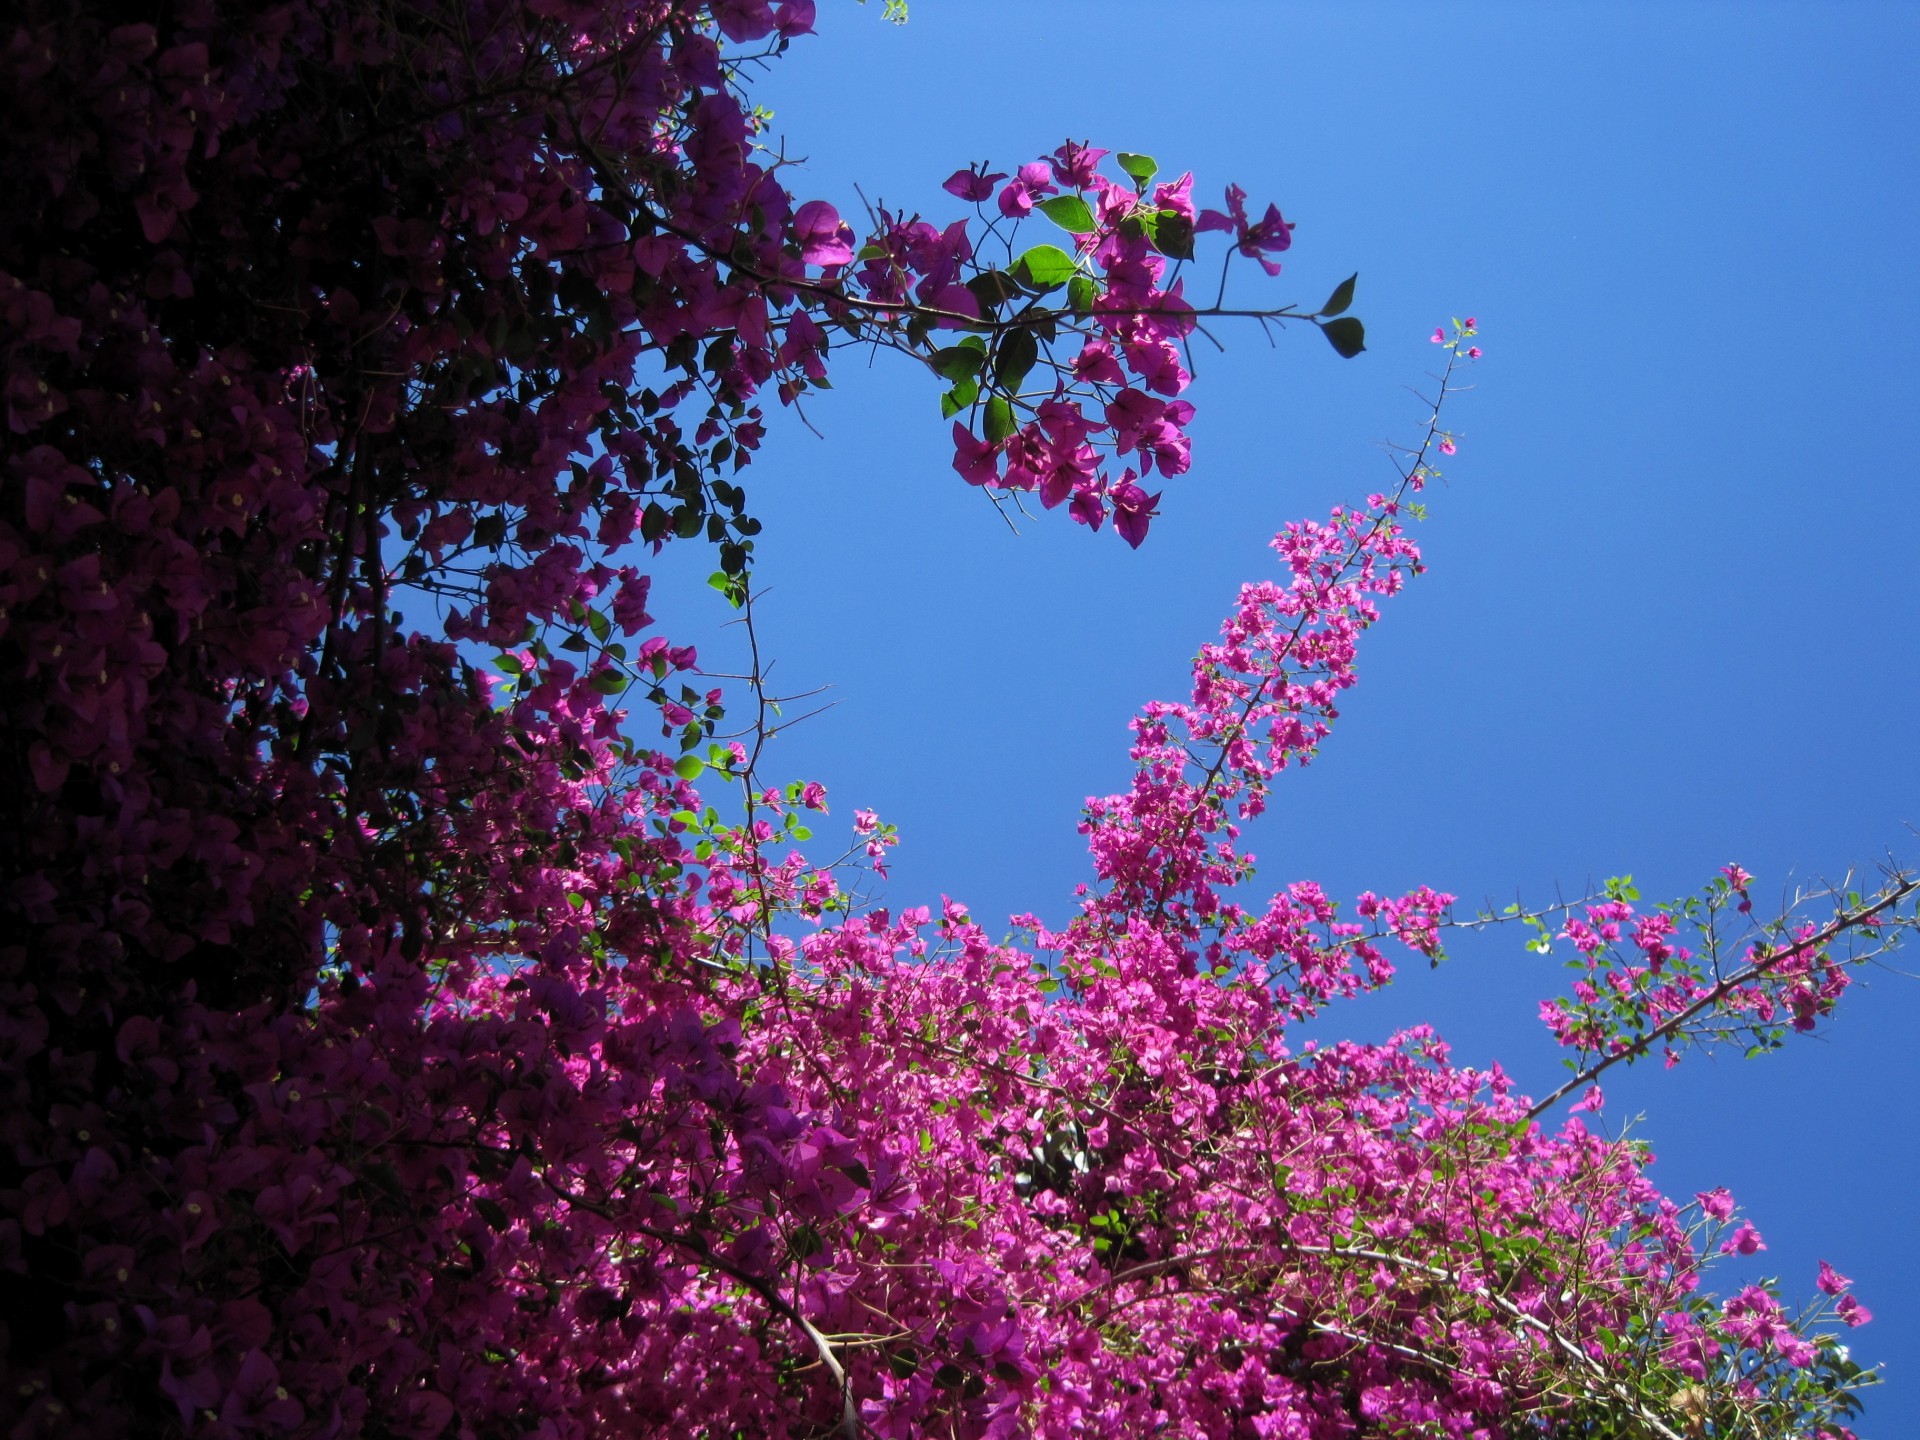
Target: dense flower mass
x=393, y=1042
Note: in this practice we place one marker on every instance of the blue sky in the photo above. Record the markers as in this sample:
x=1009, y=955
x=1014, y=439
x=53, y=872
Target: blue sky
x=1673, y=616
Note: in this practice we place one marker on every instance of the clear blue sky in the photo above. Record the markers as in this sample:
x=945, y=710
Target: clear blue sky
x=1673, y=617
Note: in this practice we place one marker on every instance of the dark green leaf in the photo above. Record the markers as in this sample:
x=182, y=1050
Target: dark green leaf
x=959, y=362
x=1044, y=267
x=492, y=1212
x=1348, y=336
x=1171, y=234
x=1018, y=352
x=1141, y=167
x=1341, y=298
x=992, y=288
x=1069, y=212
x=1000, y=421
x=1081, y=292
x=904, y=1362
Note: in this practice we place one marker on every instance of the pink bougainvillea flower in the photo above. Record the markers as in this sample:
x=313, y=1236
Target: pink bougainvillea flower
x=1097, y=364
x=1716, y=1204
x=977, y=460
x=1744, y=1241
x=794, y=17
x=742, y=20
x=824, y=239
x=1270, y=235
x=1089, y=506
x=1133, y=510
x=1033, y=179
x=1076, y=165
x=1852, y=1312
x=974, y=183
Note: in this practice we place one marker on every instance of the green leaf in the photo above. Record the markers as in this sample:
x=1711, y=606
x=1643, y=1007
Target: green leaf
x=688, y=767
x=1045, y=267
x=1081, y=293
x=959, y=362
x=1070, y=213
x=958, y=399
x=728, y=585
x=491, y=1212
x=1348, y=336
x=1341, y=297
x=610, y=682
x=1171, y=234
x=1000, y=421
x=1018, y=352
x=510, y=664
x=1141, y=167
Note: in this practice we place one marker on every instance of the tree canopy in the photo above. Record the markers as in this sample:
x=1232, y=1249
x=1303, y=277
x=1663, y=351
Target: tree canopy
x=418, y=1016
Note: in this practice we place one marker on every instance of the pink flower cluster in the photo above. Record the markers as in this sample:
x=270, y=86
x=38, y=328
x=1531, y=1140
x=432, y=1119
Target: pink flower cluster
x=1643, y=988
x=1076, y=357
x=1264, y=696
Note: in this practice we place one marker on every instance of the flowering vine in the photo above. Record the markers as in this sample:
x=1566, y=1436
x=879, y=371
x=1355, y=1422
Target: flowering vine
x=394, y=1040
